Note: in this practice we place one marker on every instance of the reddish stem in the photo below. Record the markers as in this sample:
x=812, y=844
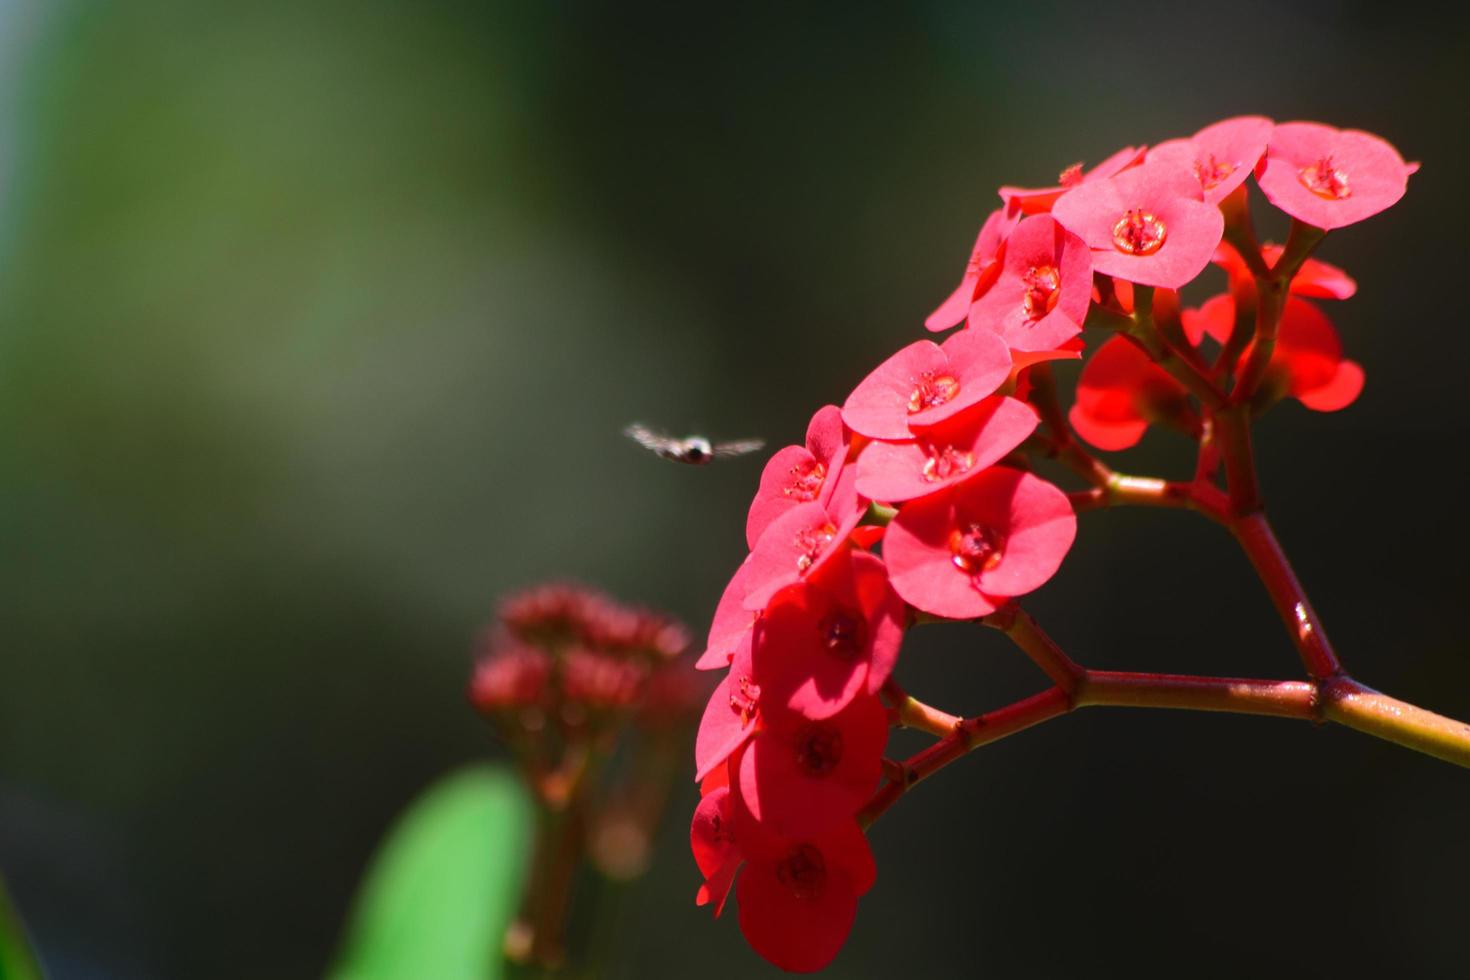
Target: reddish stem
x=1259, y=542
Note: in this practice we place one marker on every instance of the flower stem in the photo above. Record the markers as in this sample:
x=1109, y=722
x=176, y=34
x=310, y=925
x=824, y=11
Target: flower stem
x=1145, y=333
x=1338, y=699
x=1148, y=491
x=1024, y=632
x=1232, y=428
x=1349, y=703
x=1307, y=633
x=1282, y=699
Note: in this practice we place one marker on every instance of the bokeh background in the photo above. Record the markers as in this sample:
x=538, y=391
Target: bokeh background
x=318, y=323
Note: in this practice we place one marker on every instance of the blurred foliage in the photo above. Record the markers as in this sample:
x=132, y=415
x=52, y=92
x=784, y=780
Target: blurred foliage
x=17, y=961
x=436, y=899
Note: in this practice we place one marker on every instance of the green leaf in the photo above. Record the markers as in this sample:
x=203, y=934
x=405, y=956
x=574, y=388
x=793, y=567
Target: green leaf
x=17, y=962
x=444, y=884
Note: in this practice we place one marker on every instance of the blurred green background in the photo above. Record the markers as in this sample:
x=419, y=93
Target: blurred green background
x=318, y=323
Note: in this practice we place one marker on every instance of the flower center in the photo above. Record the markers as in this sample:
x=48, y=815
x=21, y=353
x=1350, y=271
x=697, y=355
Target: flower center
x=810, y=543
x=1325, y=180
x=744, y=700
x=803, y=871
x=819, y=750
x=1070, y=177
x=945, y=462
x=1210, y=173
x=1041, y=287
x=844, y=634
x=806, y=481
x=1138, y=232
x=933, y=390
x=976, y=547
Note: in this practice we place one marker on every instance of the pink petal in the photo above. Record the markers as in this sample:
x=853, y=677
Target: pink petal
x=1042, y=527
x=1192, y=229
x=725, y=726
x=1220, y=156
x=822, y=643
x=920, y=565
x=794, y=797
x=792, y=929
x=799, y=474
x=1038, y=243
x=732, y=623
x=1375, y=175
x=1338, y=393
x=980, y=361
x=794, y=544
x=879, y=406
x=945, y=453
x=978, y=271
x=1107, y=436
x=711, y=838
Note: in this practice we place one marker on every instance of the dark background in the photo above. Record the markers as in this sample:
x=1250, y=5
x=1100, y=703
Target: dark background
x=318, y=322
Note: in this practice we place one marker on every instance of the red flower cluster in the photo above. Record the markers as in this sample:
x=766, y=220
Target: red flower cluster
x=570, y=655
x=915, y=495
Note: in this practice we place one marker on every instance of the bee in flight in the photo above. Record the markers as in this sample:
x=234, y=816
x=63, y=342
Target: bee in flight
x=695, y=450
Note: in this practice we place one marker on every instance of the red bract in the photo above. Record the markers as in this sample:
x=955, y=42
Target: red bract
x=798, y=898
x=1040, y=297
x=828, y=640
x=1148, y=225
x=979, y=271
x=514, y=677
x=1328, y=177
x=729, y=717
x=800, y=776
x=925, y=383
x=962, y=553
x=1315, y=278
x=1307, y=363
x=712, y=839
x=945, y=453
x=1119, y=392
x=1221, y=156
x=731, y=624
x=799, y=474
x=1020, y=200
x=795, y=544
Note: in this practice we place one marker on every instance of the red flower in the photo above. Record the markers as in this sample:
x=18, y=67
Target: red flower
x=944, y=453
x=962, y=553
x=729, y=717
x=514, y=676
x=599, y=681
x=1040, y=200
x=1221, y=156
x=979, y=271
x=712, y=839
x=1119, y=392
x=1040, y=297
x=731, y=624
x=1315, y=278
x=1330, y=178
x=1148, y=225
x=1307, y=362
x=793, y=546
x=830, y=639
x=798, y=898
x=925, y=383
x=801, y=776
x=799, y=474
